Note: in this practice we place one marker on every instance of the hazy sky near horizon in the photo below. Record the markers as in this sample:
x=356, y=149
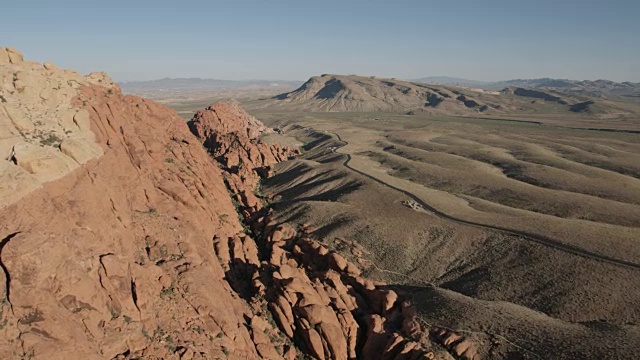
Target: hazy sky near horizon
x=293, y=40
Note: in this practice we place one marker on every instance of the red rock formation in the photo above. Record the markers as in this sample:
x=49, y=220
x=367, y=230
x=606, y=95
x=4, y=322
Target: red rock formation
x=232, y=136
x=316, y=296
x=114, y=259
x=136, y=251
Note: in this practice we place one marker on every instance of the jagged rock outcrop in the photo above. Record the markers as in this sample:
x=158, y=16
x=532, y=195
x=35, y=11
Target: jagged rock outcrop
x=317, y=297
x=232, y=136
x=536, y=95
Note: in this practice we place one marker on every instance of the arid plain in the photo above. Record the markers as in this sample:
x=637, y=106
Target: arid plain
x=529, y=231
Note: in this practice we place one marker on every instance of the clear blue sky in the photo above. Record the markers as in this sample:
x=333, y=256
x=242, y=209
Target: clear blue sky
x=293, y=40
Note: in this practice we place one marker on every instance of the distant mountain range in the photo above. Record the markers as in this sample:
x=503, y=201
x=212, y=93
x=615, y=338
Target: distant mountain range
x=606, y=89
x=446, y=80
x=168, y=88
x=352, y=93
x=198, y=83
x=186, y=88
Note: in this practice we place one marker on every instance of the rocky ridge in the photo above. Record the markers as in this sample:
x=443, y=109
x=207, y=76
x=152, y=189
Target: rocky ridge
x=151, y=247
x=114, y=259
x=318, y=299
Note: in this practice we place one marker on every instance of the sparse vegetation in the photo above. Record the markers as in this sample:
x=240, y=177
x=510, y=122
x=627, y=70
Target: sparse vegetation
x=50, y=139
x=151, y=211
x=114, y=313
x=3, y=320
x=167, y=292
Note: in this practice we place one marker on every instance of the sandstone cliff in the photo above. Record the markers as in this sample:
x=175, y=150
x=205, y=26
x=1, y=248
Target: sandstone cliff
x=109, y=253
x=122, y=236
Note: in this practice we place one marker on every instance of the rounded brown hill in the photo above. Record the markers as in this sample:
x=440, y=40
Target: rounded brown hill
x=359, y=93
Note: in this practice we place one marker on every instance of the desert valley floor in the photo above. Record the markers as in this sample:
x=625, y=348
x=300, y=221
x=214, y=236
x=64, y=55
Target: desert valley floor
x=522, y=230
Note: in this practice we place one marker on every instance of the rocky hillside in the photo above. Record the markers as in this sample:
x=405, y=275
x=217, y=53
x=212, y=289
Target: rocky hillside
x=349, y=93
x=127, y=233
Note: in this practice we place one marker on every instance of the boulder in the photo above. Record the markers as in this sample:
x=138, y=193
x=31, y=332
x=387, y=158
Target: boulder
x=350, y=331
x=283, y=316
x=221, y=247
x=337, y=262
x=313, y=340
x=81, y=118
x=316, y=314
x=44, y=162
x=332, y=333
x=250, y=250
x=15, y=183
x=465, y=350
x=259, y=331
x=376, y=339
x=81, y=148
x=388, y=300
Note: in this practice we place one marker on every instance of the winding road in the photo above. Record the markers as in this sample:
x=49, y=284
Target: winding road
x=539, y=239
